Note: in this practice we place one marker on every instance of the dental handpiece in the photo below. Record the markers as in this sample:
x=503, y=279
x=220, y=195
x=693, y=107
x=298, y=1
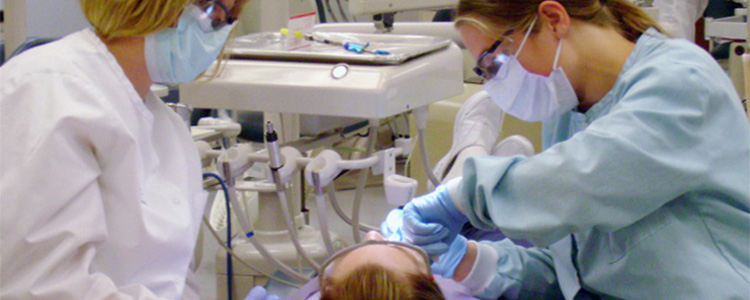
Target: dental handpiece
x=275, y=164
x=272, y=145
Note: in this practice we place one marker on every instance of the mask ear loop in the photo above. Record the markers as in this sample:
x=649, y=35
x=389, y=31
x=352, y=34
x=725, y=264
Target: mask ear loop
x=525, y=37
x=557, y=54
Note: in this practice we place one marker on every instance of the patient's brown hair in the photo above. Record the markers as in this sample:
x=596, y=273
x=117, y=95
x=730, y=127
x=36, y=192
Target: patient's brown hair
x=371, y=281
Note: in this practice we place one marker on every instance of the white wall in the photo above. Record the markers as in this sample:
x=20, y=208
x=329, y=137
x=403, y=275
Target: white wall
x=53, y=18
x=40, y=18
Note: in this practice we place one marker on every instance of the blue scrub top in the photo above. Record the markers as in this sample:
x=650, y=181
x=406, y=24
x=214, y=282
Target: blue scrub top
x=649, y=189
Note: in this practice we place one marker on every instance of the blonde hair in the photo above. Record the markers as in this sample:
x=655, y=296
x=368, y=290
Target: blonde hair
x=372, y=281
x=224, y=56
x=489, y=15
x=122, y=18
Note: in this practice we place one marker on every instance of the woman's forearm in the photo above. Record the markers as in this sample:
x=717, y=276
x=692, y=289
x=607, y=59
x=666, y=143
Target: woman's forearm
x=464, y=267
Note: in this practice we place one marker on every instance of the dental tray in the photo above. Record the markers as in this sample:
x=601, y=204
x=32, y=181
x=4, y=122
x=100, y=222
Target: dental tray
x=329, y=47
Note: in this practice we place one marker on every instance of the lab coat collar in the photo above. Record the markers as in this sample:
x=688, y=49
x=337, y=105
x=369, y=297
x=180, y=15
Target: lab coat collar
x=99, y=46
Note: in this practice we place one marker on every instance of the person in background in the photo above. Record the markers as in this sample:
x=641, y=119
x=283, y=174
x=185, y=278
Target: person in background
x=678, y=17
x=100, y=182
x=641, y=190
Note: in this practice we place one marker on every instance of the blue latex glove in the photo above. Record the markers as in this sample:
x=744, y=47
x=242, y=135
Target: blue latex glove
x=448, y=262
x=391, y=227
x=432, y=222
x=260, y=293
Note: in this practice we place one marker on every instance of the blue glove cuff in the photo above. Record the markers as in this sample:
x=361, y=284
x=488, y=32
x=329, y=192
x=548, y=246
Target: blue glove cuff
x=260, y=293
x=257, y=293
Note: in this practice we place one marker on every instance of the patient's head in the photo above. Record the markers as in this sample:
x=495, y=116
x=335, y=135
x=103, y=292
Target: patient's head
x=379, y=271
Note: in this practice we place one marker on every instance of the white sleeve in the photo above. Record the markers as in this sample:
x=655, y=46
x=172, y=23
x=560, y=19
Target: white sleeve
x=453, y=186
x=483, y=271
x=679, y=16
x=53, y=133
x=191, y=291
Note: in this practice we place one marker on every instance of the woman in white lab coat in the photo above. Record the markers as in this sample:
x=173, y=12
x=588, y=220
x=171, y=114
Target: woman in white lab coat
x=100, y=183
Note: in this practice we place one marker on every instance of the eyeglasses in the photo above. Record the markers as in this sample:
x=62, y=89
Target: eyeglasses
x=209, y=7
x=490, y=60
x=328, y=265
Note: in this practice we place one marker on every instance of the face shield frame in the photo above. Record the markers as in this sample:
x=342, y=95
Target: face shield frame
x=211, y=9
x=489, y=61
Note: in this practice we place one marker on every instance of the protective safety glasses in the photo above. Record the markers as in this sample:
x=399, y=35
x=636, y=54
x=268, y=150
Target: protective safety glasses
x=217, y=12
x=490, y=60
x=330, y=263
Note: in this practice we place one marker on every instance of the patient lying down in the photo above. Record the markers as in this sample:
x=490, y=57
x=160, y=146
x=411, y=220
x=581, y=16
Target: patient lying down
x=382, y=269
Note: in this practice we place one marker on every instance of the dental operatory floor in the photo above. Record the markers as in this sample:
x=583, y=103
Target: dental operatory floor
x=373, y=210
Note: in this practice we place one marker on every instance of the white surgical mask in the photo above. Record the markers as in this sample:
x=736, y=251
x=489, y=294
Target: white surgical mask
x=178, y=55
x=528, y=96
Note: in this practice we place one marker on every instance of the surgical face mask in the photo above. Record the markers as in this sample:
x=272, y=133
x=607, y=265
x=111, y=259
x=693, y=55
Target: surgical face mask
x=528, y=96
x=178, y=55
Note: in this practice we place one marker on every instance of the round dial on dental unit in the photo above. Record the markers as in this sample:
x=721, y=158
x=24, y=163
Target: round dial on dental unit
x=339, y=71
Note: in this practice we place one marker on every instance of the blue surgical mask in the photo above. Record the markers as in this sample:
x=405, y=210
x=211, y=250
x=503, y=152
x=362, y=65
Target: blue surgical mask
x=528, y=96
x=178, y=55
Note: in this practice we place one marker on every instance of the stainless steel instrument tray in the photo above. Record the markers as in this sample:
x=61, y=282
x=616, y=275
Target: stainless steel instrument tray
x=275, y=46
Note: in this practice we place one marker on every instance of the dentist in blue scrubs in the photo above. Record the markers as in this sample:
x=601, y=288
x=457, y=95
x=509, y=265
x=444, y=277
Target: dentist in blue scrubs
x=643, y=188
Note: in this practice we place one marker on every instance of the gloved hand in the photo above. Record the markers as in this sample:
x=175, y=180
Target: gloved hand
x=391, y=227
x=432, y=222
x=448, y=262
x=260, y=293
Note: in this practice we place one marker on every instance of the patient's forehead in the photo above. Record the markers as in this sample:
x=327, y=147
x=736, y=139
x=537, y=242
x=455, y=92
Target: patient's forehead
x=398, y=259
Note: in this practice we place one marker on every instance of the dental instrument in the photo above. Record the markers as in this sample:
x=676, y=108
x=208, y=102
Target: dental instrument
x=275, y=164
